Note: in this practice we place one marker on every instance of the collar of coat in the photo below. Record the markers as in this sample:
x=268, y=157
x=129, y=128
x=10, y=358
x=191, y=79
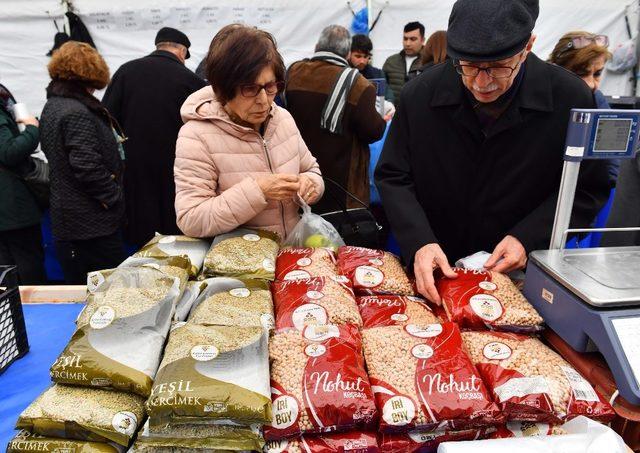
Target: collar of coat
x=165, y=54
x=330, y=57
x=535, y=91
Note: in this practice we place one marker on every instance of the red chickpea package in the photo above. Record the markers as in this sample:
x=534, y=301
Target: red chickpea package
x=424, y=380
x=351, y=442
x=374, y=272
x=319, y=382
x=380, y=311
x=423, y=441
x=295, y=263
x=481, y=300
x=314, y=301
x=530, y=382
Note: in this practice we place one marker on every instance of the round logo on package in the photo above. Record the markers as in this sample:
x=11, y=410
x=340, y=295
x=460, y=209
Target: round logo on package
x=125, y=423
x=488, y=286
x=496, y=350
x=486, y=307
x=428, y=331
x=285, y=412
x=398, y=411
x=368, y=276
x=102, y=317
x=315, y=350
x=204, y=352
x=269, y=265
x=297, y=275
x=251, y=237
x=303, y=262
x=308, y=314
x=240, y=292
x=321, y=333
x=422, y=351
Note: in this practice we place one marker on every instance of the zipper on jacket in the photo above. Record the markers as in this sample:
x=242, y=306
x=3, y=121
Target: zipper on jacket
x=266, y=152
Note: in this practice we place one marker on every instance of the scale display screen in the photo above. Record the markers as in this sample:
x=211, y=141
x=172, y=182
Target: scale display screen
x=628, y=332
x=612, y=135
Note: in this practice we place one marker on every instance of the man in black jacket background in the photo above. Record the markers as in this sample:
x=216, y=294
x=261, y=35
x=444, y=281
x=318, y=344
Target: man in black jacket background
x=474, y=155
x=145, y=96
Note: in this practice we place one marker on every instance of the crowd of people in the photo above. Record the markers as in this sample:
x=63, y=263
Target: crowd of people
x=472, y=160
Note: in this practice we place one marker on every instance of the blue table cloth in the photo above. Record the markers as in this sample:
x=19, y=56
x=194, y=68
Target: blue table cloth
x=49, y=327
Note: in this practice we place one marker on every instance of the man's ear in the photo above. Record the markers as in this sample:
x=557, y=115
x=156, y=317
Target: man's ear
x=532, y=40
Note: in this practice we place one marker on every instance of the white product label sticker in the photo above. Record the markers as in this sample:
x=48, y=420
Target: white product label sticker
x=398, y=411
x=422, y=351
x=94, y=280
x=582, y=390
x=125, y=423
x=321, y=333
x=368, y=276
x=430, y=330
x=240, y=292
x=315, y=295
x=102, y=317
x=285, y=412
x=519, y=387
x=276, y=446
x=269, y=265
x=496, y=351
x=308, y=314
x=167, y=240
x=400, y=317
x=315, y=350
x=251, y=237
x=486, y=307
x=297, y=275
x=488, y=286
x=302, y=262
x=267, y=321
x=204, y=352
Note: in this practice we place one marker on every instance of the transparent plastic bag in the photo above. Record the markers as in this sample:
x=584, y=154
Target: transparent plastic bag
x=313, y=231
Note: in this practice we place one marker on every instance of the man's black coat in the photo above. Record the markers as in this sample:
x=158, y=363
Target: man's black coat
x=145, y=96
x=442, y=180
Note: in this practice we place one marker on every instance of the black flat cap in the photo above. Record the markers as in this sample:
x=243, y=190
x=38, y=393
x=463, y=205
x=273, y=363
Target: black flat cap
x=490, y=30
x=168, y=34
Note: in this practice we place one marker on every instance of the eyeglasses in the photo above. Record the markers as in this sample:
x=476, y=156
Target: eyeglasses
x=580, y=42
x=496, y=72
x=251, y=90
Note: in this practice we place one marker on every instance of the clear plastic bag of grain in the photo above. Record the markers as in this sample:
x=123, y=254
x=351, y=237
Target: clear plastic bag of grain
x=234, y=302
x=531, y=382
x=162, y=246
x=384, y=310
x=121, y=332
x=82, y=413
x=314, y=301
x=480, y=300
x=213, y=373
x=374, y=272
x=243, y=253
x=27, y=442
x=294, y=263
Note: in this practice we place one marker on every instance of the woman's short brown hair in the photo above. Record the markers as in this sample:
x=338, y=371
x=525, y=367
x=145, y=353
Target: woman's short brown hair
x=237, y=56
x=80, y=62
x=575, y=60
x=435, y=49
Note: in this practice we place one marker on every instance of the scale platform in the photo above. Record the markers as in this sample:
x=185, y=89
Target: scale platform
x=591, y=297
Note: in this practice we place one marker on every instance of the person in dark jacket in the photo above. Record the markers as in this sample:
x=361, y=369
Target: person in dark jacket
x=474, y=155
x=398, y=67
x=337, y=120
x=20, y=235
x=145, y=97
x=82, y=143
x=360, y=58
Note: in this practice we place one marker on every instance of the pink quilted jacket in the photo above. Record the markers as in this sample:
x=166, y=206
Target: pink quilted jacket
x=218, y=160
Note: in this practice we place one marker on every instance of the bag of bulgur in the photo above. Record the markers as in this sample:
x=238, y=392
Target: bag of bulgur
x=380, y=311
x=352, y=441
x=319, y=382
x=314, y=301
x=296, y=263
x=424, y=441
x=203, y=436
x=161, y=246
x=186, y=301
x=243, y=253
x=530, y=382
x=120, y=333
x=480, y=300
x=213, y=373
x=374, y=272
x=424, y=379
x=233, y=302
x=82, y=413
x=26, y=442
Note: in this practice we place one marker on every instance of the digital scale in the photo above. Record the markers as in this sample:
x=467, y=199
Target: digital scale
x=591, y=297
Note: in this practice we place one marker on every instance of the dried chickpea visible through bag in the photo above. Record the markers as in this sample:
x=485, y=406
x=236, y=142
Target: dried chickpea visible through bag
x=374, y=272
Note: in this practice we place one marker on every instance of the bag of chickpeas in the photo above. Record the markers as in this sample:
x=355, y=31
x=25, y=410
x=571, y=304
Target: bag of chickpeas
x=319, y=382
x=374, y=272
x=352, y=441
x=380, y=311
x=294, y=263
x=233, y=302
x=243, y=253
x=424, y=379
x=530, y=382
x=480, y=300
x=314, y=301
x=424, y=441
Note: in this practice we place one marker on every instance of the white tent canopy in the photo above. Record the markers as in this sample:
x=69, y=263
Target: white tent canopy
x=124, y=29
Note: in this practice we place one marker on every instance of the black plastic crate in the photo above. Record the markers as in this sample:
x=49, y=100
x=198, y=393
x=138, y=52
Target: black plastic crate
x=13, y=333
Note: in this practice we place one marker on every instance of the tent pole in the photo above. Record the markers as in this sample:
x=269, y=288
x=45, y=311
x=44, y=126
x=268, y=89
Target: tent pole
x=369, y=14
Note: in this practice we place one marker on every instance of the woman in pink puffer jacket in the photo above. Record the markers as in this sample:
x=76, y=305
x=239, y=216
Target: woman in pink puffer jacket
x=240, y=159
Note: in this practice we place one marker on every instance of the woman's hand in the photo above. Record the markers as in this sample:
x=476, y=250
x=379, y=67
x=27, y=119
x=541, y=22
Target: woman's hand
x=279, y=187
x=29, y=121
x=308, y=191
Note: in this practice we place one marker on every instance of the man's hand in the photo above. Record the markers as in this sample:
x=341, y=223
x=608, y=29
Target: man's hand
x=427, y=259
x=509, y=255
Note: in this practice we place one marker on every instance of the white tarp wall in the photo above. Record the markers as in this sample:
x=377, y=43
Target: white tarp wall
x=125, y=29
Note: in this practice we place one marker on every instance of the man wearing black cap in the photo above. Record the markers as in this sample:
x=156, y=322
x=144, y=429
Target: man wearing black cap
x=145, y=96
x=473, y=158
